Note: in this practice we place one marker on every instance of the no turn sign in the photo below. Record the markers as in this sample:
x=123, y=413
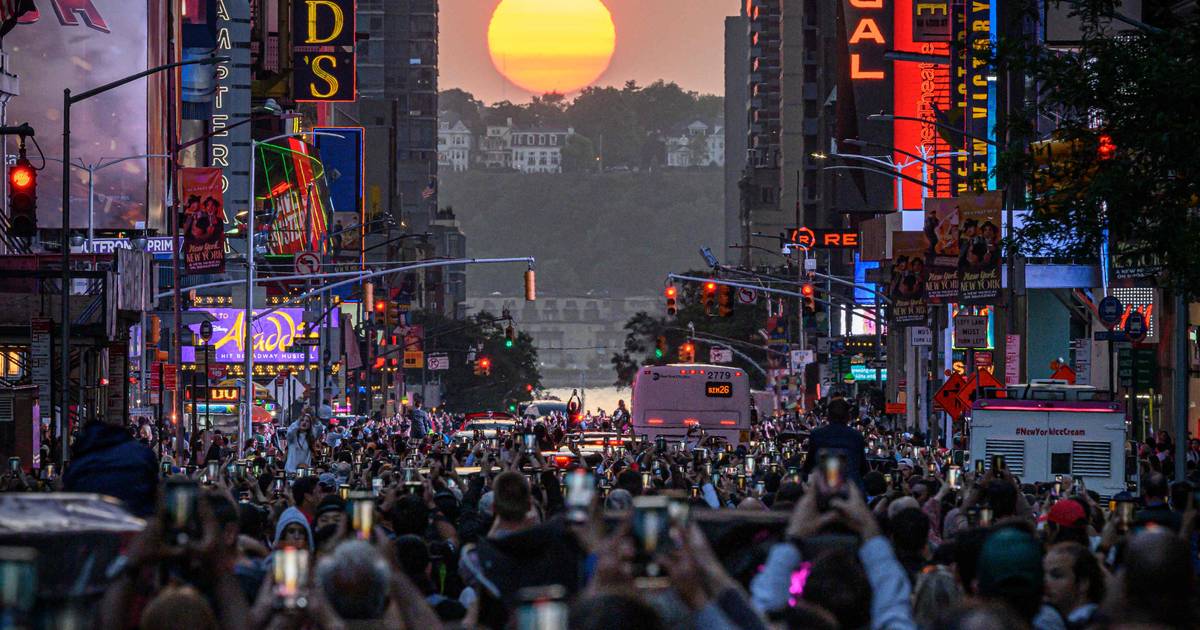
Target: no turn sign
x=307, y=263
x=747, y=296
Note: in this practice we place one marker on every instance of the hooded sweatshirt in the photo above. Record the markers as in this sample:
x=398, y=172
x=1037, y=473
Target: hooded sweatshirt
x=107, y=460
x=289, y=516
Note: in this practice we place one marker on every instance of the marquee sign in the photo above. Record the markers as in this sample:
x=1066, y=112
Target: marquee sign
x=323, y=53
x=809, y=238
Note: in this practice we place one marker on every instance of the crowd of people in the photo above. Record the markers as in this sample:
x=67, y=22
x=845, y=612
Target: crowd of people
x=826, y=522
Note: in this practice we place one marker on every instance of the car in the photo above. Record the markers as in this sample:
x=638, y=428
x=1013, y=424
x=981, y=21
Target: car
x=489, y=423
x=543, y=408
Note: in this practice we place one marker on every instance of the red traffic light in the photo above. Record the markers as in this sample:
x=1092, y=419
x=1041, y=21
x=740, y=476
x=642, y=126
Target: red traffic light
x=710, y=287
x=21, y=176
x=671, y=291
x=1106, y=150
x=529, y=387
x=380, y=306
x=807, y=290
x=485, y=363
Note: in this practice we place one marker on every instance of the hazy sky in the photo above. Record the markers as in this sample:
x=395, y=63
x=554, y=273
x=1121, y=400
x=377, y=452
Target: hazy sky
x=675, y=40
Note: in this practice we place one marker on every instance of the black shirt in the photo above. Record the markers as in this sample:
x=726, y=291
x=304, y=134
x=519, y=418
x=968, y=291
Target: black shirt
x=839, y=438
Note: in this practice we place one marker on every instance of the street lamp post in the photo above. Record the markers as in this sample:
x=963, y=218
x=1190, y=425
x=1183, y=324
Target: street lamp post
x=91, y=171
x=65, y=242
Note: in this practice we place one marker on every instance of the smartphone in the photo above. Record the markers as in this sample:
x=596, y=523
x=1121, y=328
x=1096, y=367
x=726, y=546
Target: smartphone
x=931, y=468
x=165, y=467
x=997, y=463
x=239, y=470
x=530, y=442
x=1124, y=515
x=344, y=491
x=833, y=469
x=18, y=574
x=660, y=444
x=14, y=464
x=361, y=506
x=695, y=491
x=1058, y=485
x=212, y=471
x=651, y=534
x=699, y=456
x=751, y=465
x=760, y=487
x=985, y=516
x=542, y=608
x=376, y=486
x=741, y=482
x=954, y=477
x=647, y=480
x=979, y=470
x=181, y=521
x=581, y=489
x=291, y=577
x=277, y=485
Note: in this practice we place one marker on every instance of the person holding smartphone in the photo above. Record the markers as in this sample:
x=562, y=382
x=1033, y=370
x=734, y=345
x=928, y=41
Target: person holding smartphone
x=302, y=436
x=838, y=437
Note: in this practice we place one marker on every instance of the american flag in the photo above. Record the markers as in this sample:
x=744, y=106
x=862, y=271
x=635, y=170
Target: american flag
x=430, y=189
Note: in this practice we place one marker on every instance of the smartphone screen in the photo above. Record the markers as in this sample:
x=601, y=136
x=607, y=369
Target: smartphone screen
x=530, y=442
x=362, y=515
x=651, y=533
x=18, y=574
x=979, y=470
x=291, y=577
x=542, y=608
x=997, y=463
x=581, y=488
x=181, y=519
x=832, y=469
x=954, y=477
x=376, y=486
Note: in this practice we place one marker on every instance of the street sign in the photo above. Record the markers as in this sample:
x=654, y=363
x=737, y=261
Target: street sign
x=837, y=346
x=155, y=375
x=709, y=257
x=921, y=336
x=747, y=296
x=414, y=359
x=894, y=408
x=877, y=364
x=823, y=345
x=205, y=331
x=1109, y=311
x=438, y=362
x=800, y=358
x=307, y=263
x=216, y=373
x=1135, y=326
x=169, y=376
x=948, y=396
x=720, y=355
x=1110, y=335
x=970, y=331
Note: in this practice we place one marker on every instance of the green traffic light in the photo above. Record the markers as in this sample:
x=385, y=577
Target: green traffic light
x=658, y=353
x=508, y=343
x=512, y=407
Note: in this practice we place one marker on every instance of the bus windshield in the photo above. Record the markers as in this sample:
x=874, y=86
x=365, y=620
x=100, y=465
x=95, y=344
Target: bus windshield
x=668, y=400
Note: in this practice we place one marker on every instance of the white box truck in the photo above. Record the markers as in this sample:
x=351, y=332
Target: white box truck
x=1049, y=428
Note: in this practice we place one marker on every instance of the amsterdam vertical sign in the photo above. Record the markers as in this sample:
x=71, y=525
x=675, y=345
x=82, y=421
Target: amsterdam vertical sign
x=323, y=50
x=230, y=148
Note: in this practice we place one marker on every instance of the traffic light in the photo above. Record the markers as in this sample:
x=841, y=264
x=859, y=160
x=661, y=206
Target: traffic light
x=380, y=309
x=393, y=313
x=660, y=347
x=671, y=293
x=510, y=336
x=725, y=300
x=22, y=198
x=809, y=292
x=687, y=352
x=1106, y=149
x=710, y=295
x=483, y=366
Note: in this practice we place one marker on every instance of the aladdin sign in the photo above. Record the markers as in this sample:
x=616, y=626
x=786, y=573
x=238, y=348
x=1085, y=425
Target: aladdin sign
x=274, y=335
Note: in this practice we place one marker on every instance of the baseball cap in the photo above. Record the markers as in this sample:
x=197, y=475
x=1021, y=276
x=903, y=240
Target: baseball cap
x=1009, y=557
x=331, y=503
x=328, y=480
x=1066, y=513
x=906, y=462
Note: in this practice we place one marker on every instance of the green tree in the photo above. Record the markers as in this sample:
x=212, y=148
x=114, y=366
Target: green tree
x=1134, y=94
x=579, y=155
x=465, y=105
x=698, y=150
x=512, y=369
x=603, y=115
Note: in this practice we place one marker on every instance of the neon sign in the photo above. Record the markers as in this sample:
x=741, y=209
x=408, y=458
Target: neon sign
x=868, y=41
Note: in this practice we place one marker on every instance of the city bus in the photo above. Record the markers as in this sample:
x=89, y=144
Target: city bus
x=670, y=399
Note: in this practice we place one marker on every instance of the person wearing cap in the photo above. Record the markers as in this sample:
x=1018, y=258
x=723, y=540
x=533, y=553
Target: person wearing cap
x=330, y=511
x=906, y=466
x=1010, y=572
x=1065, y=521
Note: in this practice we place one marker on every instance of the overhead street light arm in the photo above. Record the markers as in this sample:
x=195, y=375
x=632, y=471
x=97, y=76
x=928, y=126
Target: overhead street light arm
x=207, y=61
x=882, y=117
x=896, y=173
x=854, y=142
x=742, y=285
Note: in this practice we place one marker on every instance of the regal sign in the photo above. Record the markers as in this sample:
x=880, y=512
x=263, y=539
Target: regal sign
x=323, y=52
x=809, y=238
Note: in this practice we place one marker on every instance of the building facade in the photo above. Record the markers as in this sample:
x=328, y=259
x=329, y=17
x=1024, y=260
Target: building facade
x=698, y=144
x=454, y=143
x=538, y=150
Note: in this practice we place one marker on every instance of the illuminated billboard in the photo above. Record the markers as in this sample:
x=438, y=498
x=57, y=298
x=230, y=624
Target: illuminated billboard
x=79, y=45
x=275, y=334
x=323, y=50
x=921, y=90
x=864, y=86
x=292, y=189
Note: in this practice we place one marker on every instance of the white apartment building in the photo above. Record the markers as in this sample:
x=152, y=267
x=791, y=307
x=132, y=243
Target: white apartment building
x=538, y=150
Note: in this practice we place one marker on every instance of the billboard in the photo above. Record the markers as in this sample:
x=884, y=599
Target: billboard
x=345, y=157
x=907, y=287
x=979, y=248
x=203, y=219
x=79, y=45
x=274, y=335
x=229, y=150
x=971, y=89
x=922, y=89
x=293, y=188
x=323, y=50
x=864, y=86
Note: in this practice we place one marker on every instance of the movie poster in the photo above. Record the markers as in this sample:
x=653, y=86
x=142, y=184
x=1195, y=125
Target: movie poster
x=979, y=248
x=941, y=258
x=203, y=220
x=907, y=286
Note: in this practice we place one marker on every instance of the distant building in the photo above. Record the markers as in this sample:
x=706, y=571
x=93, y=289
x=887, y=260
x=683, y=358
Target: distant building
x=454, y=143
x=495, y=147
x=537, y=150
x=698, y=143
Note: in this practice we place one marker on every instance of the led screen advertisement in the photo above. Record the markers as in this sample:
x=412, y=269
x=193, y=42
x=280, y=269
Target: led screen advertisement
x=864, y=86
x=274, y=335
x=922, y=89
x=79, y=45
x=293, y=195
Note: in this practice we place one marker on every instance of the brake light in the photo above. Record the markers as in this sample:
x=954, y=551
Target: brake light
x=737, y=373
x=683, y=371
x=728, y=423
x=690, y=422
x=654, y=421
x=562, y=461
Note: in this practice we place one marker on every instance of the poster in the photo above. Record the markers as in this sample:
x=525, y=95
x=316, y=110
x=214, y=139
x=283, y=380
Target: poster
x=941, y=259
x=979, y=248
x=907, y=286
x=203, y=220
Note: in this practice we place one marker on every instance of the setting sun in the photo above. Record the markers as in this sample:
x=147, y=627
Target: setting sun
x=551, y=45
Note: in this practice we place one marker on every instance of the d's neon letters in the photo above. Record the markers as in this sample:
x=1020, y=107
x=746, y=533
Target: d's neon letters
x=339, y=21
